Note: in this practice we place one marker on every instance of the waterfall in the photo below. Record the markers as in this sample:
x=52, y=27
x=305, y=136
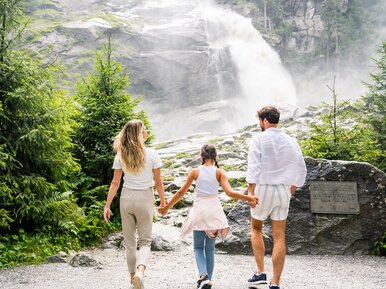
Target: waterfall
x=202, y=67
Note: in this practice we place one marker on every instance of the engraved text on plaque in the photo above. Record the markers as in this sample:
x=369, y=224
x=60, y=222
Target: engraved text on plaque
x=334, y=197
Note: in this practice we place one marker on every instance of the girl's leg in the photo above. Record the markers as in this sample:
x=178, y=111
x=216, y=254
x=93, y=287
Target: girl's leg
x=199, y=244
x=209, y=254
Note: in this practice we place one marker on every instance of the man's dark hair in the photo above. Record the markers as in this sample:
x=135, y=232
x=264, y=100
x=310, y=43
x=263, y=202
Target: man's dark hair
x=269, y=113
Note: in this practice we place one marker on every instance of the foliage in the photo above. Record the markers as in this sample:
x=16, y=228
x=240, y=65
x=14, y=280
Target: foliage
x=341, y=132
x=375, y=104
x=36, y=164
x=33, y=248
x=380, y=246
x=237, y=182
x=347, y=31
x=39, y=214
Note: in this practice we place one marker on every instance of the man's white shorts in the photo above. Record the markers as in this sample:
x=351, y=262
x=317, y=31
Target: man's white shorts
x=274, y=202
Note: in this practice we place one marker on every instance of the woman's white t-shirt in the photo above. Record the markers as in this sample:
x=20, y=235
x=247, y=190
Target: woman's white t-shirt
x=144, y=179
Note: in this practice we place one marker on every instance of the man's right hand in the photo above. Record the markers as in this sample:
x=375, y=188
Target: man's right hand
x=293, y=189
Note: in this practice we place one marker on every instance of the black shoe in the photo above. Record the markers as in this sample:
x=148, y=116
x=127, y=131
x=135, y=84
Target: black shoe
x=270, y=286
x=258, y=279
x=204, y=283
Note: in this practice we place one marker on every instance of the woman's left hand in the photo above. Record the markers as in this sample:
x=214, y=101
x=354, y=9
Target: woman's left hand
x=107, y=214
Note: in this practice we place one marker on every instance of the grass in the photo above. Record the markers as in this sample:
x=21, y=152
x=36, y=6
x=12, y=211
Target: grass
x=113, y=20
x=182, y=155
x=48, y=13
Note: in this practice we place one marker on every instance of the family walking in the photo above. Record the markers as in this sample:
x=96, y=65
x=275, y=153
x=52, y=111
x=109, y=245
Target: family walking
x=275, y=169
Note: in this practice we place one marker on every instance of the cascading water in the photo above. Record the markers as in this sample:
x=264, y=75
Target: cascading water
x=201, y=67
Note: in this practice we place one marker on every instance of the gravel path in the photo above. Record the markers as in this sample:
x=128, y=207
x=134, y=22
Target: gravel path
x=177, y=270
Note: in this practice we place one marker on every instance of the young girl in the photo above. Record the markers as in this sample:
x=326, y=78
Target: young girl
x=206, y=219
x=139, y=165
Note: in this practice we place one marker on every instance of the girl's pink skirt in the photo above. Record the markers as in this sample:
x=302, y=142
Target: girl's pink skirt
x=206, y=215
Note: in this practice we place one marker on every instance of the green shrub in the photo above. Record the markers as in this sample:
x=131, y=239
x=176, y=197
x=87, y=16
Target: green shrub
x=341, y=133
x=380, y=246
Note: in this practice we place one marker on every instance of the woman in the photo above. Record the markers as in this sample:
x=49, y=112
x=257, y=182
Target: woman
x=139, y=166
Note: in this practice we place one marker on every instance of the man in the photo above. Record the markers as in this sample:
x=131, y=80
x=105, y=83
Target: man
x=275, y=169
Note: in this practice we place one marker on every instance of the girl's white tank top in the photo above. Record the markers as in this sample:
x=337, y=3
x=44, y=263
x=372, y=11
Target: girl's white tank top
x=206, y=183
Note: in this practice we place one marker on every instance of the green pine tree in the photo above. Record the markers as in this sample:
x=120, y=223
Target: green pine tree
x=105, y=107
x=375, y=103
x=341, y=132
x=36, y=163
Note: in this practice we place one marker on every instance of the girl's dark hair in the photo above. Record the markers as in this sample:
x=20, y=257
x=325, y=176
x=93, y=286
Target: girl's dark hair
x=208, y=152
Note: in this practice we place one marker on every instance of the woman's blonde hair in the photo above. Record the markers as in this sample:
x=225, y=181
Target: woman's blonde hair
x=130, y=146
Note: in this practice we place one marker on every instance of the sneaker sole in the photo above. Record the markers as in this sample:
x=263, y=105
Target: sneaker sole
x=257, y=286
x=257, y=283
x=137, y=284
x=205, y=285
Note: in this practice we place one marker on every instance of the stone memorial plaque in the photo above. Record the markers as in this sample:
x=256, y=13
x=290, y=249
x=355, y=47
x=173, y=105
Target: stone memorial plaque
x=334, y=197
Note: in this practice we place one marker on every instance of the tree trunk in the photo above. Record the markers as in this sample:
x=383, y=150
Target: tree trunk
x=265, y=16
x=3, y=32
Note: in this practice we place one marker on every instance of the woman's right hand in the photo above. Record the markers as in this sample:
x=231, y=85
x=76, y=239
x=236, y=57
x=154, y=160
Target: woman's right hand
x=107, y=214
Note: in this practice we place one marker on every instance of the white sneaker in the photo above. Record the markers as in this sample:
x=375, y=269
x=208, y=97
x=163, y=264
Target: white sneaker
x=138, y=281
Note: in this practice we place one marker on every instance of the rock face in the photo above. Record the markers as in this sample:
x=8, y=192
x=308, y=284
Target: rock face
x=304, y=16
x=314, y=234
x=191, y=60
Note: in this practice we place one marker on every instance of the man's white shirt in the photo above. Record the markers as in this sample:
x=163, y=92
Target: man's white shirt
x=275, y=158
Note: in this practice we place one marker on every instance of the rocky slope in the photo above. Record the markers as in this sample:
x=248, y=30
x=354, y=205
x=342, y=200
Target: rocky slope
x=308, y=233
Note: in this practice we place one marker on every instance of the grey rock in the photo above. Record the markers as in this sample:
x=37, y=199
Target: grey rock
x=57, y=258
x=319, y=234
x=165, y=238
x=112, y=241
x=158, y=243
x=171, y=187
x=188, y=200
x=122, y=245
x=109, y=245
x=83, y=260
x=227, y=141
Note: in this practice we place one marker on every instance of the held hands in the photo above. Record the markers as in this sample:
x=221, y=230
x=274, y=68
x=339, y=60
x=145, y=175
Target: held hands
x=253, y=201
x=163, y=210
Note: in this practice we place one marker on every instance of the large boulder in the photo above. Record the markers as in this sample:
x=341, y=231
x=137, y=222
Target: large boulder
x=321, y=233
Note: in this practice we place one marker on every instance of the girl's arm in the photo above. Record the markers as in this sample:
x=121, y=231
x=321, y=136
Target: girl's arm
x=224, y=183
x=112, y=191
x=180, y=193
x=159, y=186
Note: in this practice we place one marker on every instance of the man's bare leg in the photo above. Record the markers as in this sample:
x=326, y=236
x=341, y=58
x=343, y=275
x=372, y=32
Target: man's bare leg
x=279, y=249
x=258, y=243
